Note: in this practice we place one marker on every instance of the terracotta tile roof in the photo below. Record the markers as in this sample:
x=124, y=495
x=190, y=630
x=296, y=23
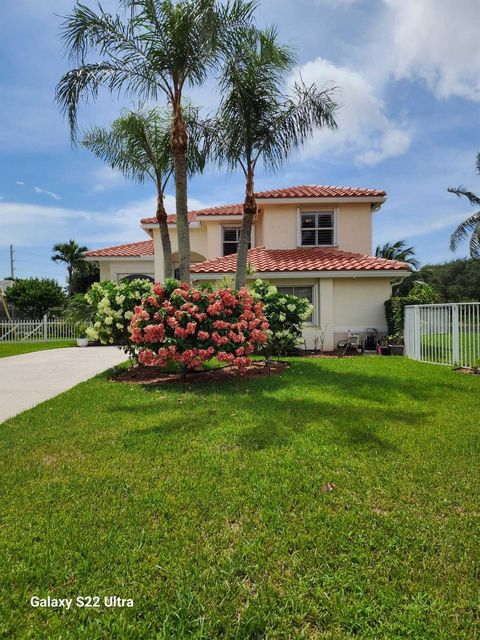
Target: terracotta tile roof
x=132, y=250
x=302, y=191
x=271, y=260
x=321, y=191
x=222, y=210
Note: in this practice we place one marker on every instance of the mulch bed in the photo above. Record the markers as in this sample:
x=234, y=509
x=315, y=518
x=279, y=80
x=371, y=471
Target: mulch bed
x=155, y=375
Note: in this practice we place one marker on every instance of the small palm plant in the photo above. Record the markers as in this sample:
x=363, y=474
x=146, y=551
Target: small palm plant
x=398, y=251
x=258, y=121
x=138, y=146
x=73, y=255
x=151, y=49
x=470, y=226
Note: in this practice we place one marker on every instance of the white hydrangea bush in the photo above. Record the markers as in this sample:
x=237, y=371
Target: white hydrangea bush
x=113, y=306
x=285, y=314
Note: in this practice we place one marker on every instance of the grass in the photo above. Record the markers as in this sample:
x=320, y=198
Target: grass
x=17, y=348
x=204, y=504
x=439, y=348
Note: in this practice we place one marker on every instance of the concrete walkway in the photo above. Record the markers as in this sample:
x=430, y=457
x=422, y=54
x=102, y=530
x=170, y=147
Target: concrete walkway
x=31, y=378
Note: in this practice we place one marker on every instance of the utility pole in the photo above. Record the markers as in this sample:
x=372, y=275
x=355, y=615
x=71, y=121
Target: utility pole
x=12, y=268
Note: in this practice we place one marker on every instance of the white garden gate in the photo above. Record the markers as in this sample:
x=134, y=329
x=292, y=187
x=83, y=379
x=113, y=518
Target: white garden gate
x=45, y=329
x=443, y=333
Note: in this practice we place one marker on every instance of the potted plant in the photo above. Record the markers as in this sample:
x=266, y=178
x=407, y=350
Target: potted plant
x=382, y=348
x=83, y=340
x=395, y=344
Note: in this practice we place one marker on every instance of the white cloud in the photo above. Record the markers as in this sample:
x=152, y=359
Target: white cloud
x=435, y=40
x=106, y=178
x=55, y=196
x=19, y=182
x=364, y=129
x=26, y=224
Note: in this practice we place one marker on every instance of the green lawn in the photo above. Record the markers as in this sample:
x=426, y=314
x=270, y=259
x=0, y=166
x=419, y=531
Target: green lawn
x=16, y=348
x=439, y=348
x=204, y=505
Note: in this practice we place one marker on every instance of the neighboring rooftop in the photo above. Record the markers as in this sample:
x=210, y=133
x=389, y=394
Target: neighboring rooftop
x=132, y=250
x=301, y=192
x=272, y=260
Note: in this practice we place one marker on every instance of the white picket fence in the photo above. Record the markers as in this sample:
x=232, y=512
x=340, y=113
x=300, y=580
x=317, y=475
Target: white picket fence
x=443, y=333
x=47, y=329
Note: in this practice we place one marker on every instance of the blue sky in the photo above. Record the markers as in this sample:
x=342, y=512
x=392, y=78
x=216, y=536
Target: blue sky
x=408, y=78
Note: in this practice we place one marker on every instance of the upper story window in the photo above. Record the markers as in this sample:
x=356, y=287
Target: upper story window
x=317, y=228
x=230, y=240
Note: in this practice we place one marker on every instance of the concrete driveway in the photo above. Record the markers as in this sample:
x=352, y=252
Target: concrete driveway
x=31, y=378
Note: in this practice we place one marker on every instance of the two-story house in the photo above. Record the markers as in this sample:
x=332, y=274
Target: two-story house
x=312, y=241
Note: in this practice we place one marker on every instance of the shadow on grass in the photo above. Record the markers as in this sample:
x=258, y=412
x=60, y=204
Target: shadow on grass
x=335, y=407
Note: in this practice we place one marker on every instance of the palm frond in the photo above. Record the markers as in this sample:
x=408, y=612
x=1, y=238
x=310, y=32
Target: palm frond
x=469, y=226
x=461, y=191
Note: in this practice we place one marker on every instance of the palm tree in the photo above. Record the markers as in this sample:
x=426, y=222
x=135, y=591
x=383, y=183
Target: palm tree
x=470, y=226
x=138, y=145
x=156, y=47
x=257, y=121
x=72, y=254
x=398, y=251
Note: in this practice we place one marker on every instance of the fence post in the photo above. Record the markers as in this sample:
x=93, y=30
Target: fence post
x=45, y=327
x=455, y=334
x=416, y=343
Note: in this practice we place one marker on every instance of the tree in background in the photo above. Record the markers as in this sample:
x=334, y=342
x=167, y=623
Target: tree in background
x=455, y=281
x=398, y=251
x=257, y=120
x=73, y=255
x=84, y=276
x=34, y=297
x=155, y=48
x=470, y=226
x=138, y=146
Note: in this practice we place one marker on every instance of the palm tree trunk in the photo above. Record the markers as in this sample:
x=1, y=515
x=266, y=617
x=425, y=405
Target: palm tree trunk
x=249, y=211
x=179, y=150
x=164, y=236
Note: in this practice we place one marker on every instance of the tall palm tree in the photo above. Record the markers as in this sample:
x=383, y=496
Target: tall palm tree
x=138, y=146
x=72, y=254
x=470, y=226
x=154, y=48
x=258, y=121
x=398, y=251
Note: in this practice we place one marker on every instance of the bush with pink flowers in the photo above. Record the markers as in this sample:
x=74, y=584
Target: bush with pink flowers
x=190, y=326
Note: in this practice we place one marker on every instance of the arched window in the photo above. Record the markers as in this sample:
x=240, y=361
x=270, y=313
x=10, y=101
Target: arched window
x=136, y=276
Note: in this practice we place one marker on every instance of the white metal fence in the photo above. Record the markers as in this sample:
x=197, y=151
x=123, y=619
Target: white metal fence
x=443, y=333
x=37, y=330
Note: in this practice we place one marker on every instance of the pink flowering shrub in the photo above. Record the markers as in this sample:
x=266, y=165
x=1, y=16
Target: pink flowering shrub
x=190, y=326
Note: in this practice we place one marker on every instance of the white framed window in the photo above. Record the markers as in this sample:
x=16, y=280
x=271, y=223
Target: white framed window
x=317, y=228
x=231, y=238
x=306, y=291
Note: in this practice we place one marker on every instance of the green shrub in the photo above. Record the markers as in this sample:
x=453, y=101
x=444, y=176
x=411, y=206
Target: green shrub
x=421, y=293
x=285, y=314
